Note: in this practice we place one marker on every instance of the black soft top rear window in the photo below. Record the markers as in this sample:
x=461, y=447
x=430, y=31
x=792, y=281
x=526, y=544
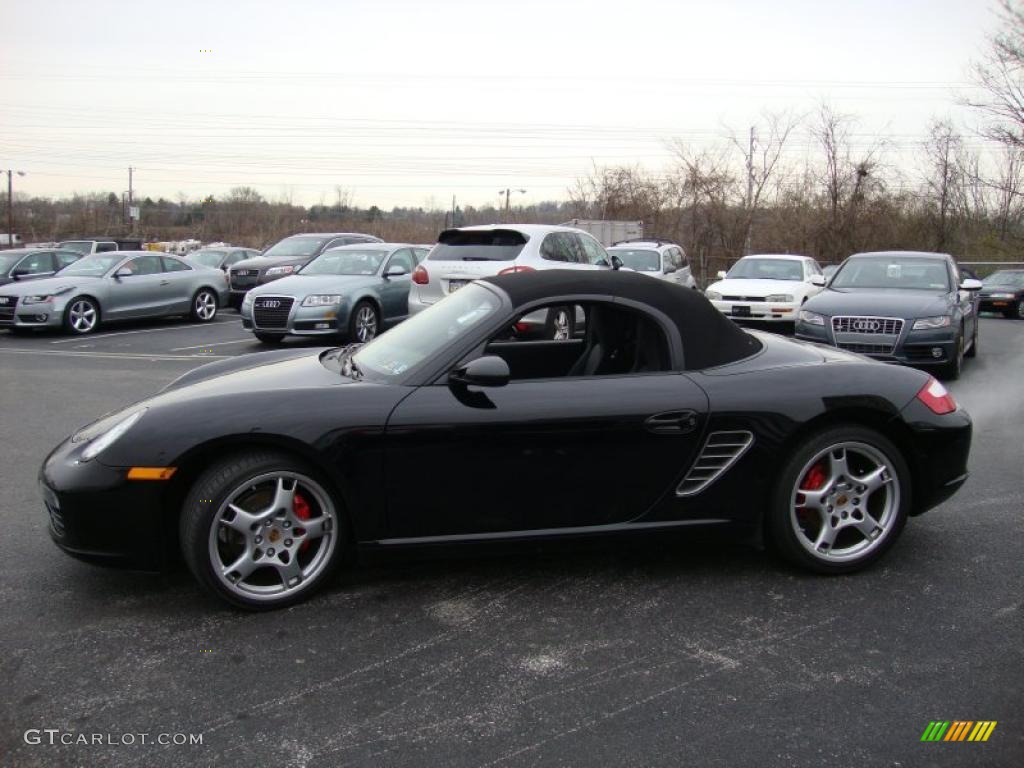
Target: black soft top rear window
x=478, y=245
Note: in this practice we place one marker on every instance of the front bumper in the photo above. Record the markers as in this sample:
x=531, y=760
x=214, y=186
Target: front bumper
x=762, y=311
x=45, y=315
x=96, y=514
x=303, y=321
x=925, y=348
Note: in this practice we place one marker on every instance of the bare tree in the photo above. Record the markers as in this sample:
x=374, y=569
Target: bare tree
x=1000, y=75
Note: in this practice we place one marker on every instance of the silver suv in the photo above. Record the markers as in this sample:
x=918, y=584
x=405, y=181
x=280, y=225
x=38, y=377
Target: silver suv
x=469, y=253
x=658, y=258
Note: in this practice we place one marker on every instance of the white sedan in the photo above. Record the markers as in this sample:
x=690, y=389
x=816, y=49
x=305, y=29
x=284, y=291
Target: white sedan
x=766, y=287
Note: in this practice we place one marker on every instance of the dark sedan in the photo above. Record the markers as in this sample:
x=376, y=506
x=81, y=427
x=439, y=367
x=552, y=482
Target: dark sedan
x=285, y=258
x=34, y=263
x=1003, y=292
x=221, y=257
x=665, y=415
x=900, y=307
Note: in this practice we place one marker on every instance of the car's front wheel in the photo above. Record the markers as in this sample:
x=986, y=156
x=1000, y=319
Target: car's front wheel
x=951, y=371
x=260, y=530
x=204, y=306
x=841, y=501
x=82, y=315
x=1020, y=309
x=365, y=323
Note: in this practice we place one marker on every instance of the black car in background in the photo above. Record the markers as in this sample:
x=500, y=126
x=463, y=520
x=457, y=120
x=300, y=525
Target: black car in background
x=1003, y=291
x=286, y=257
x=221, y=257
x=900, y=307
x=30, y=263
x=449, y=429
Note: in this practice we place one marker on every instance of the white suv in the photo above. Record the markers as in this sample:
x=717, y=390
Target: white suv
x=768, y=287
x=658, y=258
x=469, y=253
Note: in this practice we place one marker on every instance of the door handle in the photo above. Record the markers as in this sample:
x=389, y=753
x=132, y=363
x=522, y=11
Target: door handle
x=165, y=282
x=672, y=422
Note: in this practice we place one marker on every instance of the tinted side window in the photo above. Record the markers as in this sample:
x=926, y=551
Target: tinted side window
x=683, y=261
x=36, y=263
x=145, y=265
x=173, y=265
x=104, y=247
x=593, y=252
x=554, y=248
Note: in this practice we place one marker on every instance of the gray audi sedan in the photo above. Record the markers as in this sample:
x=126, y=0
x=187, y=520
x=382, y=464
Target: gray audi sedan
x=908, y=307
x=355, y=291
x=121, y=285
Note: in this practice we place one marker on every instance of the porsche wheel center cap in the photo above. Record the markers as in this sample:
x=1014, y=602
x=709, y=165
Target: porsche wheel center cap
x=274, y=535
x=842, y=500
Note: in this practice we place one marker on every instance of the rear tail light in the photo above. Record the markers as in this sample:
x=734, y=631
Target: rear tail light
x=420, y=276
x=937, y=398
x=511, y=270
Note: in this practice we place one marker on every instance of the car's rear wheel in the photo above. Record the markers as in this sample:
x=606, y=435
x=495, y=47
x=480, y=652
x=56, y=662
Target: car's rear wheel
x=82, y=315
x=841, y=501
x=1020, y=309
x=365, y=323
x=204, y=306
x=261, y=531
x=973, y=351
x=269, y=338
x=561, y=324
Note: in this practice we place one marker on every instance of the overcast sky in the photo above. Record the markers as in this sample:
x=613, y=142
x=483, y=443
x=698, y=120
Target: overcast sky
x=404, y=102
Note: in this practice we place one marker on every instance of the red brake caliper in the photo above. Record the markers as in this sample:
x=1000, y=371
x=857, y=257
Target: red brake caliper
x=301, y=508
x=813, y=480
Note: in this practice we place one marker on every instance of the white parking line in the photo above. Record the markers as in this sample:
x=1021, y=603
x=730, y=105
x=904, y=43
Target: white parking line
x=110, y=355
x=189, y=326
x=218, y=344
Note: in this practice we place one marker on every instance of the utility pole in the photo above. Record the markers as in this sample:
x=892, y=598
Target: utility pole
x=454, y=209
x=508, y=196
x=131, y=220
x=10, y=205
x=750, y=192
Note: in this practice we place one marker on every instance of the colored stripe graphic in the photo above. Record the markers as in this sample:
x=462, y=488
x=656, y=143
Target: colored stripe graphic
x=959, y=730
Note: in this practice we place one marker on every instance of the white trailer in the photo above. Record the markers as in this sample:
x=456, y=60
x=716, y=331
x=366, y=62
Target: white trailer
x=608, y=232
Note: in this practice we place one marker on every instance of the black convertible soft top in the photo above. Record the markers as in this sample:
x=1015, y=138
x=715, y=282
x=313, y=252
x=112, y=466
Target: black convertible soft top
x=709, y=337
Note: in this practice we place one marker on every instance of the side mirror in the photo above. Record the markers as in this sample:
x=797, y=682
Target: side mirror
x=396, y=270
x=122, y=272
x=970, y=284
x=490, y=371
x=818, y=280
x=669, y=269
x=721, y=274
x=19, y=273
x=616, y=262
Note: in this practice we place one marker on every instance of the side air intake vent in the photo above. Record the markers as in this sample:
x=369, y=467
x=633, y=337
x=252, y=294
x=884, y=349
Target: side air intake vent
x=721, y=450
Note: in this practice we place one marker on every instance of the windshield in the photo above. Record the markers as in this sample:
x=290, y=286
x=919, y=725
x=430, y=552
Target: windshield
x=7, y=261
x=641, y=261
x=479, y=245
x=207, y=258
x=767, y=269
x=91, y=266
x=338, y=262
x=425, y=334
x=907, y=272
x=82, y=246
x=297, y=246
x=1010, y=279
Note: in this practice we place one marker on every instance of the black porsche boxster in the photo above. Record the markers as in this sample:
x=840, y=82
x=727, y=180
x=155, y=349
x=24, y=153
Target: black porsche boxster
x=659, y=413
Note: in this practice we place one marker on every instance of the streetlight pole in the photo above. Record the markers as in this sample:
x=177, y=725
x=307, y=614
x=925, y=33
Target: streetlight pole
x=508, y=196
x=10, y=206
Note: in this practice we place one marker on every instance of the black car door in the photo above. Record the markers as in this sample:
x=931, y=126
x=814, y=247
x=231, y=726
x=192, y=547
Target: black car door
x=538, y=454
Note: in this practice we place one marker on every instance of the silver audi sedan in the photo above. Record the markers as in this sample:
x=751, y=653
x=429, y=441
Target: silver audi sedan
x=120, y=285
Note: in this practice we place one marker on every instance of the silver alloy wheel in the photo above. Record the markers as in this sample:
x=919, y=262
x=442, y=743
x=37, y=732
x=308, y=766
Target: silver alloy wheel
x=205, y=306
x=272, y=536
x=562, y=326
x=82, y=315
x=845, y=501
x=366, y=323
x=1020, y=309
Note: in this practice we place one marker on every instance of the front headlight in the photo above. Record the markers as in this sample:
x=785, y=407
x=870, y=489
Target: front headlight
x=103, y=434
x=45, y=299
x=939, y=321
x=811, y=318
x=783, y=298
x=322, y=300
x=277, y=271
x=713, y=295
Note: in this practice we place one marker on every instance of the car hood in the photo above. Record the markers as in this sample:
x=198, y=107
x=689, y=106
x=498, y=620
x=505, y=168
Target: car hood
x=299, y=286
x=262, y=262
x=879, y=302
x=47, y=285
x=747, y=287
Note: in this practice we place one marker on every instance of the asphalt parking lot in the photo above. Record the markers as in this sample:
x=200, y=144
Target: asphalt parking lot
x=638, y=653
